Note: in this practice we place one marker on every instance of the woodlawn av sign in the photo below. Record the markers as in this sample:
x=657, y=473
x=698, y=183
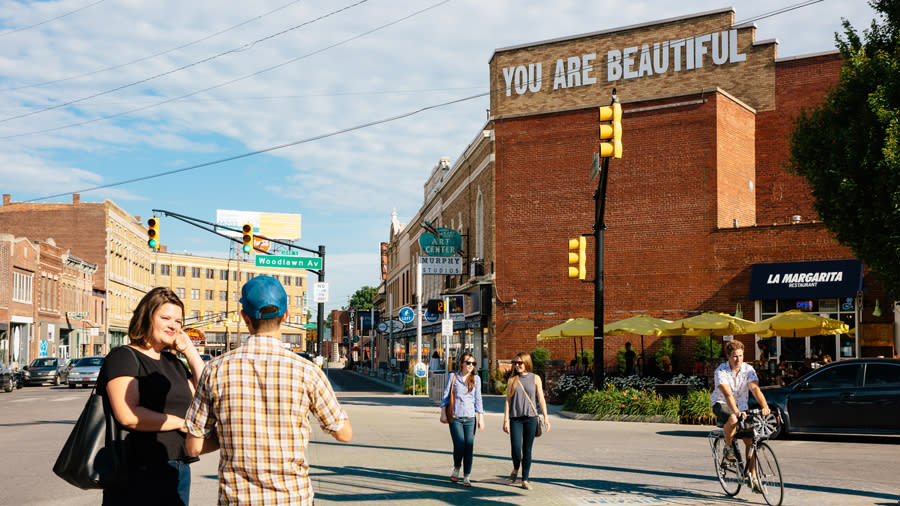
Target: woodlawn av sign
x=652, y=60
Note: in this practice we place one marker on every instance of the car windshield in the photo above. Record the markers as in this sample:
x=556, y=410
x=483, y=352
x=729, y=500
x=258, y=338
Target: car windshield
x=90, y=361
x=44, y=362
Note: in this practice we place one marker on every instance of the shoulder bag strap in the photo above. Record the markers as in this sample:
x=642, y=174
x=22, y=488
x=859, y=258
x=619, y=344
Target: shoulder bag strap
x=528, y=397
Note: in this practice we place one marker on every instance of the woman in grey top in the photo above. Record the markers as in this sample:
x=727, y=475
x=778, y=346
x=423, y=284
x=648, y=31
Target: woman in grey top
x=524, y=392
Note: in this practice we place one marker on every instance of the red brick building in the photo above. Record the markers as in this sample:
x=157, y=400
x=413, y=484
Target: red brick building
x=699, y=207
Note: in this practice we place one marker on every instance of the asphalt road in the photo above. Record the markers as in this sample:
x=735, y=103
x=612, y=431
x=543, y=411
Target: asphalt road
x=401, y=454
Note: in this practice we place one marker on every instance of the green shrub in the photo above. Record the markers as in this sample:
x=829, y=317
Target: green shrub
x=538, y=356
x=696, y=405
x=707, y=348
x=408, y=385
x=585, y=359
x=663, y=356
x=570, y=388
x=620, y=361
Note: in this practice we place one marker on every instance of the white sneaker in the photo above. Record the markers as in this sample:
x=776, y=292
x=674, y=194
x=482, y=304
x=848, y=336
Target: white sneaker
x=755, y=486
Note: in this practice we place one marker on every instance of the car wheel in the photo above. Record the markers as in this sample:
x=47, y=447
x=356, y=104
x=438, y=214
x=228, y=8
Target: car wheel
x=71, y=385
x=782, y=430
x=8, y=387
x=56, y=380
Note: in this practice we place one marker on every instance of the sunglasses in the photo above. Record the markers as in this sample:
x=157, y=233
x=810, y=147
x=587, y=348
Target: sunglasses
x=469, y=362
x=517, y=362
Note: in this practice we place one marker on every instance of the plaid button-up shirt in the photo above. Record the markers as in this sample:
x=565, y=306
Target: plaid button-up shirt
x=257, y=397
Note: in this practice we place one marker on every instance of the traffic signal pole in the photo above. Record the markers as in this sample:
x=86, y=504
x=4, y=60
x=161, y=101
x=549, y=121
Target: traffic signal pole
x=610, y=147
x=320, y=318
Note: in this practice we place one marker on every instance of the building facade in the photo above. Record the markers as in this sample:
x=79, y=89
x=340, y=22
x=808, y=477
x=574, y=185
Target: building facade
x=700, y=214
x=211, y=290
x=101, y=234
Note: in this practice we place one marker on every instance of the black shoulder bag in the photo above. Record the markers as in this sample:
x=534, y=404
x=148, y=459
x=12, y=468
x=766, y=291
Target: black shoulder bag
x=94, y=455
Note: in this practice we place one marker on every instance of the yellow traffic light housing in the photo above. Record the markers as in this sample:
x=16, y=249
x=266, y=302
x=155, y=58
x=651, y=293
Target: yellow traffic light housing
x=611, y=131
x=153, y=233
x=247, y=238
x=577, y=258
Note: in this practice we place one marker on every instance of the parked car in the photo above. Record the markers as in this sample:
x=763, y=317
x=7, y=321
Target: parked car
x=7, y=378
x=42, y=370
x=206, y=357
x=85, y=372
x=63, y=371
x=847, y=397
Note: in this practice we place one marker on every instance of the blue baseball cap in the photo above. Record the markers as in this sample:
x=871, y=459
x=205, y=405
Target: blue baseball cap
x=260, y=292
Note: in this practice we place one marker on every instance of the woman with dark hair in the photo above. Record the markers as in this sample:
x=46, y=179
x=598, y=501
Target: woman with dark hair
x=463, y=395
x=149, y=391
x=520, y=417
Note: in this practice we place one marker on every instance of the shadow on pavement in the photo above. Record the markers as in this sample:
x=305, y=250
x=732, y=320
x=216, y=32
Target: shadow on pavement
x=635, y=471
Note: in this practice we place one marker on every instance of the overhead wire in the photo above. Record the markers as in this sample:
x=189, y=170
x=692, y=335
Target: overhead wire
x=178, y=69
x=155, y=55
x=266, y=150
x=23, y=28
x=226, y=83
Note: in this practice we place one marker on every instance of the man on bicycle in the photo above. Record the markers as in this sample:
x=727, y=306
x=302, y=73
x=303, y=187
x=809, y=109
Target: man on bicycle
x=734, y=381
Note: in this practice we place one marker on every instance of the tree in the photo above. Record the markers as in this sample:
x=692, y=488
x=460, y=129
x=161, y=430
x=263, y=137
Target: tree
x=362, y=298
x=848, y=147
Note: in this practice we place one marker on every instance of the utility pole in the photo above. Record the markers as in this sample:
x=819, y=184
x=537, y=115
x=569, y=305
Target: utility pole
x=320, y=318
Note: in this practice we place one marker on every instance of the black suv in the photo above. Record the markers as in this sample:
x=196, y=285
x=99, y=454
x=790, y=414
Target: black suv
x=860, y=396
x=42, y=370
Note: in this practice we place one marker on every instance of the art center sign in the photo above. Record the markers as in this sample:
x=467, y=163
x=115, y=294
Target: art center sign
x=443, y=244
x=441, y=265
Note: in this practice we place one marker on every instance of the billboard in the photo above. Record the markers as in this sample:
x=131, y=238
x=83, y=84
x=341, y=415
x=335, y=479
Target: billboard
x=282, y=226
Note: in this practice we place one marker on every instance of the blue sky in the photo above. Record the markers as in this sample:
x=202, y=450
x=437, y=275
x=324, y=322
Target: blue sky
x=281, y=72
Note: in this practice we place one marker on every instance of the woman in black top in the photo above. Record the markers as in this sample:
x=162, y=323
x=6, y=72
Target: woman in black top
x=149, y=391
x=524, y=394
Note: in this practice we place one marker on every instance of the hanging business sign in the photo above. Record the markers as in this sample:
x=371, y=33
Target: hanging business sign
x=441, y=265
x=806, y=280
x=443, y=244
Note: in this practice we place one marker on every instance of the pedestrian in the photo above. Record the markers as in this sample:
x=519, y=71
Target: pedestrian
x=464, y=388
x=629, y=359
x=149, y=391
x=435, y=363
x=255, y=401
x=520, y=417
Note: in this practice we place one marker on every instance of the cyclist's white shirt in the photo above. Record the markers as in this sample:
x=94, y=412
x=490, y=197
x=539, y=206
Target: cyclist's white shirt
x=739, y=383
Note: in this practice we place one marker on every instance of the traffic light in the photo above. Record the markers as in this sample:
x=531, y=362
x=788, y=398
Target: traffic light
x=577, y=258
x=247, y=238
x=153, y=233
x=611, y=131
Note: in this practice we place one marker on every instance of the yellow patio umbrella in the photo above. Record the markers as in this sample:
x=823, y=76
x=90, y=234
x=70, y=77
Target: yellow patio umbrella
x=710, y=323
x=796, y=323
x=573, y=327
x=641, y=324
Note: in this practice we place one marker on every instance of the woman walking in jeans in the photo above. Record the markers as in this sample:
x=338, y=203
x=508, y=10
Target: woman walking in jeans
x=465, y=387
x=520, y=418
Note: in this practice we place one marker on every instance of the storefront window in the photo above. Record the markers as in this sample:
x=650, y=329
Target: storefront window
x=800, y=349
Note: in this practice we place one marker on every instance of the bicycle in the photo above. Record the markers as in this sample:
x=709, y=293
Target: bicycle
x=732, y=475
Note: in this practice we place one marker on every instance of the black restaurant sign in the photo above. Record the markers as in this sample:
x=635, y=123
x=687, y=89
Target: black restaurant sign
x=806, y=280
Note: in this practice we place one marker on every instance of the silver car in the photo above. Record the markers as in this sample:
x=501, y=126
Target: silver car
x=63, y=372
x=85, y=371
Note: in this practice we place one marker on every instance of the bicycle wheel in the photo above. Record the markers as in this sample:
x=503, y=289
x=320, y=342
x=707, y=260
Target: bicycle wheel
x=728, y=473
x=769, y=475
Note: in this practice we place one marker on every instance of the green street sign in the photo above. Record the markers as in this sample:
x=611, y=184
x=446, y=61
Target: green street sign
x=288, y=262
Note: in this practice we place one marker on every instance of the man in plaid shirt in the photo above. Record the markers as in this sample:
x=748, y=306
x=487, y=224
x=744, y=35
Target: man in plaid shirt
x=255, y=400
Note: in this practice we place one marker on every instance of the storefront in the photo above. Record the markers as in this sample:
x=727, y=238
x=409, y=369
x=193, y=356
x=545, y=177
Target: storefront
x=829, y=288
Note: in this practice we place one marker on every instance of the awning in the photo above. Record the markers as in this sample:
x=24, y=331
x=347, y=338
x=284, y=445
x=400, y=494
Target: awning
x=806, y=280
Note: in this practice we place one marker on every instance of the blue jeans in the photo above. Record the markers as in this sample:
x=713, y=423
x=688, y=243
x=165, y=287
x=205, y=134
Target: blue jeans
x=184, y=480
x=462, y=432
x=521, y=439
x=159, y=483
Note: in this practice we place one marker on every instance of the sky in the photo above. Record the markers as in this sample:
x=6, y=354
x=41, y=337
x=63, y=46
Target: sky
x=336, y=110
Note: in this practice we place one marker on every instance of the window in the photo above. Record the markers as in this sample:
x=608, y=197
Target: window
x=223, y=275
x=195, y=294
x=22, y=287
x=180, y=292
x=249, y=276
x=835, y=377
x=195, y=315
x=235, y=276
x=195, y=272
x=299, y=300
x=223, y=296
x=210, y=274
x=180, y=270
x=207, y=316
x=299, y=281
x=165, y=270
x=210, y=294
x=152, y=268
x=882, y=374
x=287, y=282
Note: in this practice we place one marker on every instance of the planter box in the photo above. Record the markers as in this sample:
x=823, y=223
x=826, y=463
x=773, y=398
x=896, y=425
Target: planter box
x=671, y=389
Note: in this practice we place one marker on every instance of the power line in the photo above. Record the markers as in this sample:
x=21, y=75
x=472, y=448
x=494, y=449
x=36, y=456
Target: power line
x=145, y=58
x=23, y=28
x=178, y=69
x=266, y=150
x=226, y=83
